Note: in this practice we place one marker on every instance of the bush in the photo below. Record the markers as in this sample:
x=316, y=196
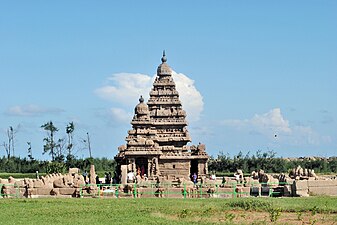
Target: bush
x=250, y=204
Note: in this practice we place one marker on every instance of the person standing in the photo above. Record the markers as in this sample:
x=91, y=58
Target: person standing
x=110, y=178
x=194, y=178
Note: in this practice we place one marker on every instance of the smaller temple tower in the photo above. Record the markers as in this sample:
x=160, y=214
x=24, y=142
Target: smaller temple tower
x=157, y=143
x=141, y=151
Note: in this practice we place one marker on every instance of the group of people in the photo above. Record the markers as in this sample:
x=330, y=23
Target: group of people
x=108, y=178
x=131, y=177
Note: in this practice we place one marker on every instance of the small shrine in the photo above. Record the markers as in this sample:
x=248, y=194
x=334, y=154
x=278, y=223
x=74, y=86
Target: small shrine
x=156, y=146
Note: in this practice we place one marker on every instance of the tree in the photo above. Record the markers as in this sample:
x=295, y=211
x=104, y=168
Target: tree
x=10, y=135
x=7, y=149
x=87, y=144
x=10, y=145
x=59, y=150
x=70, y=132
x=29, y=150
x=50, y=144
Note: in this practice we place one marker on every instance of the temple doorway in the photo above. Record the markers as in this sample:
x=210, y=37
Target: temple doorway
x=141, y=166
x=194, y=167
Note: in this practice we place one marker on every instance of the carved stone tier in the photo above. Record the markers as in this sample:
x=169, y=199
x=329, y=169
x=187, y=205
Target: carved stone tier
x=142, y=153
x=160, y=93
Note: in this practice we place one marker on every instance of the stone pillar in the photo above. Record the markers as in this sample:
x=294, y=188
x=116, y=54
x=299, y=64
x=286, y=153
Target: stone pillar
x=149, y=164
x=201, y=168
x=157, y=171
x=124, y=173
x=92, y=174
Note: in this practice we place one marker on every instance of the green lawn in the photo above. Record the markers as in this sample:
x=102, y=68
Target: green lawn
x=19, y=175
x=323, y=210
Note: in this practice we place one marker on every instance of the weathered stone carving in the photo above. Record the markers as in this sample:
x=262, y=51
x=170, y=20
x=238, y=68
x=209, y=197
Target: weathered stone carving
x=51, y=184
x=299, y=173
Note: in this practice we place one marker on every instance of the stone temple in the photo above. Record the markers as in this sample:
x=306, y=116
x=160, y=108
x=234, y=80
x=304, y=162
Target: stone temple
x=156, y=146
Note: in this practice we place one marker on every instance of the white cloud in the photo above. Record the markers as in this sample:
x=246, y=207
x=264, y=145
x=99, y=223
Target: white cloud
x=115, y=116
x=125, y=89
x=307, y=135
x=120, y=115
x=273, y=122
x=190, y=97
x=31, y=110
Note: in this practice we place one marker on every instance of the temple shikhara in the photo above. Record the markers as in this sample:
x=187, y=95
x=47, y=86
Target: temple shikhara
x=156, y=146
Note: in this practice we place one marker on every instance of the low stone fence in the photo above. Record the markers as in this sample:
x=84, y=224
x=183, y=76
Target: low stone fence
x=306, y=188
x=73, y=185
x=184, y=190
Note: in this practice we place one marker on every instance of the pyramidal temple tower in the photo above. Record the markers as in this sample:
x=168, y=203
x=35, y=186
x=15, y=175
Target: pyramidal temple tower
x=156, y=146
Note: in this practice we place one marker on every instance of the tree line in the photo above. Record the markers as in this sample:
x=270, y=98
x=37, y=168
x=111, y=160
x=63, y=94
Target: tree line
x=25, y=165
x=268, y=162
x=223, y=164
x=61, y=151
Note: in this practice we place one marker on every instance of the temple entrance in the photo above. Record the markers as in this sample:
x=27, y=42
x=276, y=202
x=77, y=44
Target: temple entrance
x=141, y=166
x=194, y=167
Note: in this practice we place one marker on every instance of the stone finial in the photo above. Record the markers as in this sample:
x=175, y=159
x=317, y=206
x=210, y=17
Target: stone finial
x=164, y=59
x=141, y=99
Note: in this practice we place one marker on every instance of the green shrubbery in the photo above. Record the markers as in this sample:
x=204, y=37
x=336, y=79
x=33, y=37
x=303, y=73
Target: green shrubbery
x=223, y=165
x=268, y=162
x=250, y=204
x=18, y=165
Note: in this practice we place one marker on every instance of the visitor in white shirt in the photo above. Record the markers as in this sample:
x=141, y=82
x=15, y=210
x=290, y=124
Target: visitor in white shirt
x=131, y=177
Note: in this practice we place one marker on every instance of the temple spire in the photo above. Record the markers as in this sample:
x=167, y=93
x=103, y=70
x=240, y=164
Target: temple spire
x=164, y=59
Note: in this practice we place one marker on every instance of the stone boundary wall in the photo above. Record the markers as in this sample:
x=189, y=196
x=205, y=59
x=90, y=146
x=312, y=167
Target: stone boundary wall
x=73, y=185
x=306, y=188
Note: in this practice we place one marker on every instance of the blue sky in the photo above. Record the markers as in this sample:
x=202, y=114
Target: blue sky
x=245, y=70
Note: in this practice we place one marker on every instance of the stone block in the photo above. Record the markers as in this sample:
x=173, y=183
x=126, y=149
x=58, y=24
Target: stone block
x=322, y=183
x=302, y=193
x=328, y=190
x=67, y=191
x=301, y=184
x=41, y=191
x=225, y=190
x=55, y=191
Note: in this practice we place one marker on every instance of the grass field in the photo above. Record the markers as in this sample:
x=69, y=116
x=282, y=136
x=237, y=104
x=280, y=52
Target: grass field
x=19, y=175
x=313, y=210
